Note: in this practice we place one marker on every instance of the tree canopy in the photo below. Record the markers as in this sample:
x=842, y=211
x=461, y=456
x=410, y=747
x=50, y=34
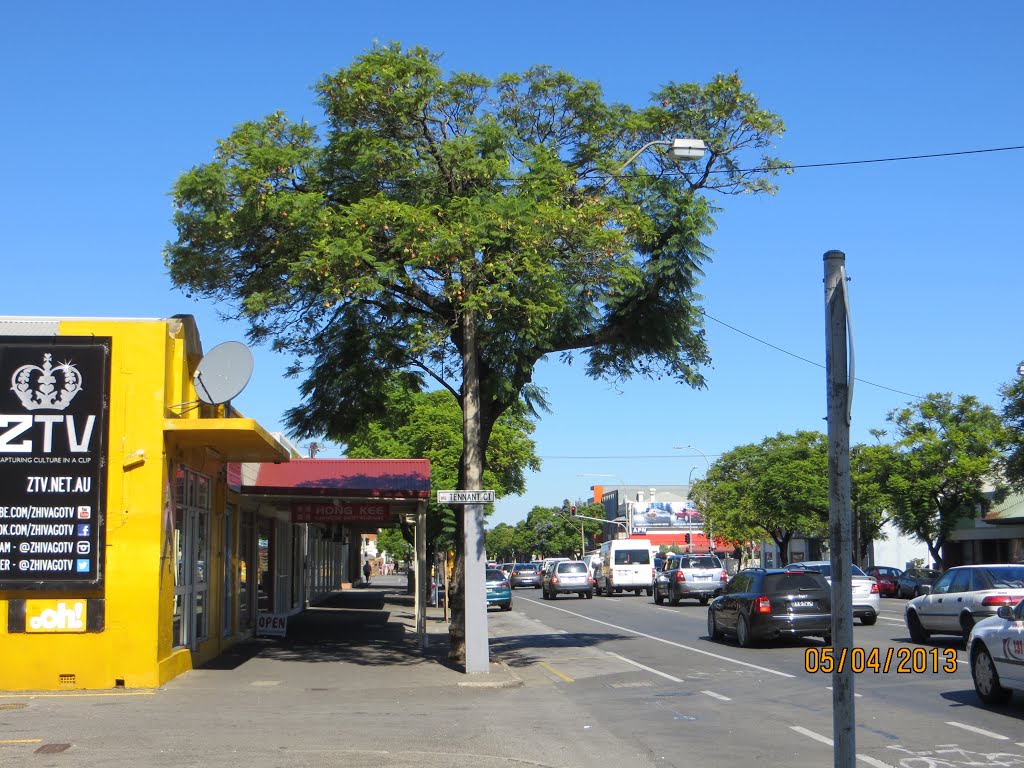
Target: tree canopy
x=460, y=228
x=944, y=459
x=778, y=487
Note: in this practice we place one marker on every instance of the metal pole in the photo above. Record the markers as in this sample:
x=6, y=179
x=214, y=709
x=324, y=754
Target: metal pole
x=475, y=609
x=840, y=545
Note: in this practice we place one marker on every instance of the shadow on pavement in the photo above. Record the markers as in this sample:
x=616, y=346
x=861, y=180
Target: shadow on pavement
x=369, y=627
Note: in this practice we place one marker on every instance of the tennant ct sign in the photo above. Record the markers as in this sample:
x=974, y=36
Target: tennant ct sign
x=465, y=497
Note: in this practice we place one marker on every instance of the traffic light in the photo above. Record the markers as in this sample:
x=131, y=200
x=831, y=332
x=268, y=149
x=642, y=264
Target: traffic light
x=687, y=538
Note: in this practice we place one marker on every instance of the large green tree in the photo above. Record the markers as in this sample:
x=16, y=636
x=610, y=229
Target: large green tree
x=778, y=488
x=943, y=464
x=1013, y=421
x=428, y=425
x=462, y=228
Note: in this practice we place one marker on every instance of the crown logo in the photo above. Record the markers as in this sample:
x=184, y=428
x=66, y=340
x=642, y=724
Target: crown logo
x=46, y=387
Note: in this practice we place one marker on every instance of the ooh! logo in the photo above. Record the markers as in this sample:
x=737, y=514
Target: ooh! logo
x=59, y=618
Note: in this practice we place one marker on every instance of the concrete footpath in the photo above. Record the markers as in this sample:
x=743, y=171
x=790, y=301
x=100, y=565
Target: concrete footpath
x=348, y=686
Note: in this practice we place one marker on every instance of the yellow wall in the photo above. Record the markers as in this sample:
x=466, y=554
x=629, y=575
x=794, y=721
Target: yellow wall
x=151, y=366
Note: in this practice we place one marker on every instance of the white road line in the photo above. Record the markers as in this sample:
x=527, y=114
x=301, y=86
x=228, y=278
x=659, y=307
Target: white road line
x=982, y=731
x=645, y=668
x=857, y=695
x=826, y=740
x=667, y=642
x=714, y=695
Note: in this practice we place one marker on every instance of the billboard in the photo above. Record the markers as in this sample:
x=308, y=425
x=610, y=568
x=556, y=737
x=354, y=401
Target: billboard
x=678, y=515
x=53, y=438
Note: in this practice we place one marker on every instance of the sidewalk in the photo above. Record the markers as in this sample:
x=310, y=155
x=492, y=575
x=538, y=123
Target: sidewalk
x=348, y=686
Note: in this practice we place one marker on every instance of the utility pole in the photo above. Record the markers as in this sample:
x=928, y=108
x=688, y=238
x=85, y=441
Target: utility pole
x=839, y=379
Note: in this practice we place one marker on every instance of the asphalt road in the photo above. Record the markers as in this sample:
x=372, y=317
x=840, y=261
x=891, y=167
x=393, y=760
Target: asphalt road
x=650, y=674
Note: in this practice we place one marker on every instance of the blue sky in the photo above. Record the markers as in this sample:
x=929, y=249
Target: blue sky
x=105, y=104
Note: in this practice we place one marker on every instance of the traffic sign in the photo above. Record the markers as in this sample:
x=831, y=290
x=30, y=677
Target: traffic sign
x=465, y=497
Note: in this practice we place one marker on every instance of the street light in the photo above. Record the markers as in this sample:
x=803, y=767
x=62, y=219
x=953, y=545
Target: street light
x=711, y=538
x=682, y=150
x=626, y=486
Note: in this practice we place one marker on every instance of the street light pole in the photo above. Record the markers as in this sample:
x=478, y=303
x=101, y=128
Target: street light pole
x=711, y=537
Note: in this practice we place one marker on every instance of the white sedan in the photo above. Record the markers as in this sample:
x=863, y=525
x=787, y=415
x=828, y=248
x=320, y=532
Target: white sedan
x=866, y=599
x=962, y=597
x=996, y=646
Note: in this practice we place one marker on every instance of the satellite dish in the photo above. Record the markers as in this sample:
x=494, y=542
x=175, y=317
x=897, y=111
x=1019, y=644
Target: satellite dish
x=223, y=372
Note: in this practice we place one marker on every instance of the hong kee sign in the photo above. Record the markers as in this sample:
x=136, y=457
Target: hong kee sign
x=326, y=512
x=53, y=439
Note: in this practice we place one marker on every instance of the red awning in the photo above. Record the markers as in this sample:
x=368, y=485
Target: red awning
x=355, y=478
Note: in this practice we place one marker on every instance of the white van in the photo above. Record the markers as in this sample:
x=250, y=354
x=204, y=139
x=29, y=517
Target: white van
x=626, y=564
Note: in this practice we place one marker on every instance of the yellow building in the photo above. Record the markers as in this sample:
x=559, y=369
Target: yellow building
x=125, y=558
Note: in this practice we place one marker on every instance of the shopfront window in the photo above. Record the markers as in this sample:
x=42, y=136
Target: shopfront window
x=191, y=558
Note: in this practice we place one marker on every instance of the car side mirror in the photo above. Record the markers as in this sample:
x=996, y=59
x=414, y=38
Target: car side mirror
x=1006, y=612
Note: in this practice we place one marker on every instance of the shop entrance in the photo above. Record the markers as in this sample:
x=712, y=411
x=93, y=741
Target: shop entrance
x=191, y=558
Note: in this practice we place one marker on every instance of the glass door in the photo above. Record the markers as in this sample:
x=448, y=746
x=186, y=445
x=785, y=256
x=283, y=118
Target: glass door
x=191, y=558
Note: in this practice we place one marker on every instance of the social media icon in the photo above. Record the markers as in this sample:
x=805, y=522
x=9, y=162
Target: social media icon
x=83, y=547
x=83, y=530
x=84, y=513
x=82, y=566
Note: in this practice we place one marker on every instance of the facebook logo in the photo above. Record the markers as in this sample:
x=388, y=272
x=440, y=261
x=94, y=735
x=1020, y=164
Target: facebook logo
x=82, y=566
x=83, y=530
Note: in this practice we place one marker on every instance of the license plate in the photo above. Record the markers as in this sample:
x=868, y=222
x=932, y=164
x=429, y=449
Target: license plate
x=702, y=577
x=803, y=603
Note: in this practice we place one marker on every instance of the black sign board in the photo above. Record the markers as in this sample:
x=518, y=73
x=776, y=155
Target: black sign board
x=54, y=394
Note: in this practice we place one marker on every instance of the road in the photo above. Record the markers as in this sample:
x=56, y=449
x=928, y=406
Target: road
x=649, y=673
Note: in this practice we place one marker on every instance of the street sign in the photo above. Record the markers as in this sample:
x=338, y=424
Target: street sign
x=465, y=497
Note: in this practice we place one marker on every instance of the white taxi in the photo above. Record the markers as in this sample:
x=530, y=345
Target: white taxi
x=996, y=647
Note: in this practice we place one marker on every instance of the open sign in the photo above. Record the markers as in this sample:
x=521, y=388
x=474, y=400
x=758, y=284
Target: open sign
x=271, y=624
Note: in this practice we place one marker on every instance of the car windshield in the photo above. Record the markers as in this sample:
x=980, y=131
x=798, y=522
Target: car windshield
x=1006, y=576
x=793, y=582
x=825, y=569
x=493, y=574
x=632, y=556
x=700, y=562
x=572, y=568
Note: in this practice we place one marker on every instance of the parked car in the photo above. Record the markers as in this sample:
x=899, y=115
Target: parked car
x=765, y=604
x=693, y=577
x=866, y=602
x=525, y=575
x=961, y=597
x=996, y=648
x=568, y=576
x=916, y=581
x=499, y=592
x=886, y=576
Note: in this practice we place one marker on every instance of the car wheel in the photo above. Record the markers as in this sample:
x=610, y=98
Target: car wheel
x=966, y=625
x=673, y=599
x=703, y=599
x=589, y=595
x=917, y=592
x=986, y=679
x=917, y=631
x=581, y=595
x=636, y=592
x=650, y=591
x=507, y=607
x=658, y=597
x=536, y=586
x=743, y=633
x=868, y=619
x=713, y=631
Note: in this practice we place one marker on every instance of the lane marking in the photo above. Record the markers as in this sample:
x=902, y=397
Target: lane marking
x=975, y=729
x=20, y=741
x=645, y=668
x=826, y=740
x=856, y=695
x=718, y=696
x=554, y=671
x=666, y=642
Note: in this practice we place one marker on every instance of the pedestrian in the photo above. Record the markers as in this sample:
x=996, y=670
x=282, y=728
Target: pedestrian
x=366, y=571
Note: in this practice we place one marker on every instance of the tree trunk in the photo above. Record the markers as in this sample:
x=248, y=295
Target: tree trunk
x=471, y=471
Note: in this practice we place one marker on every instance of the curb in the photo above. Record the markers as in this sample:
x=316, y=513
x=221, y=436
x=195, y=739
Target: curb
x=511, y=681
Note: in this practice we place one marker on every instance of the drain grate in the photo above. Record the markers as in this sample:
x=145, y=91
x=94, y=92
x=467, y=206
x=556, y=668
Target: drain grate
x=13, y=706
x=49, y=749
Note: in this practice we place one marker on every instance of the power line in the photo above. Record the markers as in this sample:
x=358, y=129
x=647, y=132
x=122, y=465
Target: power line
x=804, y=359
